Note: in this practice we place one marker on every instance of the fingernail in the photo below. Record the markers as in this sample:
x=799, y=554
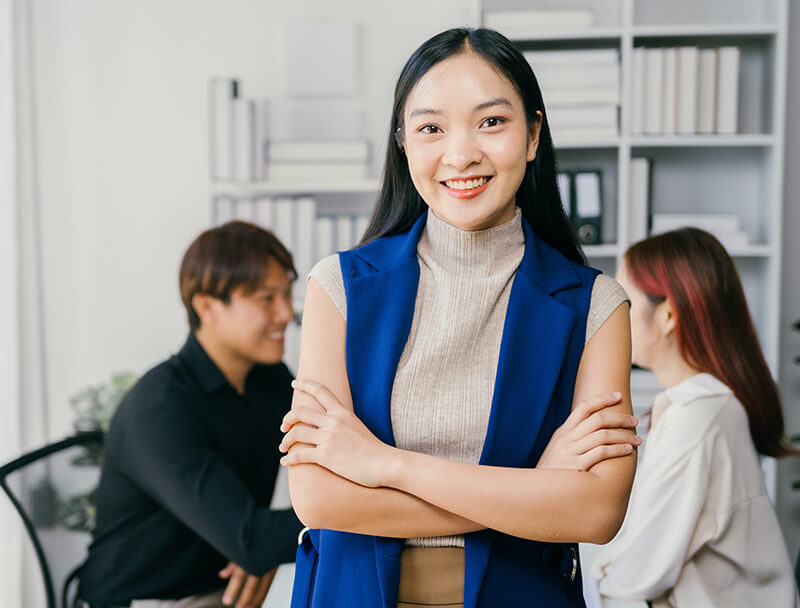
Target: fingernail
x=616, y=395
x=226, y=601
x=637, y=439
x=628, y=447
x=634, y=420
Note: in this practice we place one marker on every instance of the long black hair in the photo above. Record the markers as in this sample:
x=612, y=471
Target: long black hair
x=399, y=204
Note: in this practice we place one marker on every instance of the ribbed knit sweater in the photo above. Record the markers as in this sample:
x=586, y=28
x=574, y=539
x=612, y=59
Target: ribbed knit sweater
x=442, y=392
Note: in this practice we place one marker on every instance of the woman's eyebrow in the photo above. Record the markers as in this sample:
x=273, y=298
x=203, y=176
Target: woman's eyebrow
x=497, y=101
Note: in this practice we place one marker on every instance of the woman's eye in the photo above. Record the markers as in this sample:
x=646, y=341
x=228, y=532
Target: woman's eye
x=493, y=121
x=429, y=129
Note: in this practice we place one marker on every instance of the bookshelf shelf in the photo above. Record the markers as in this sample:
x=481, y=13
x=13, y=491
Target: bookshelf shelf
x=703, y=141
x=588, y=34
x=704, y=31
x=254, y=189
x=585, y=145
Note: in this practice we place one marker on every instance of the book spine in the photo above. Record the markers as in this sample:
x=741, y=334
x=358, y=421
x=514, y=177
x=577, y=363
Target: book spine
x=244, y=142
x=707, y=89
x=638, y=86
x=670, y=110
x=687, y=90
x=728, y=90
x=654, y=94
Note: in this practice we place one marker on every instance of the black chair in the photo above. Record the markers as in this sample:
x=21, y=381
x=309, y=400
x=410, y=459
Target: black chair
x=53, y=490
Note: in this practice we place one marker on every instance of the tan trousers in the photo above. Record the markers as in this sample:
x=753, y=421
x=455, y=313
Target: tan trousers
x=208, y=600
x=431, y=577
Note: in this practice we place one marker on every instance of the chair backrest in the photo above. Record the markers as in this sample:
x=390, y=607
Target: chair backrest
x=53, y=490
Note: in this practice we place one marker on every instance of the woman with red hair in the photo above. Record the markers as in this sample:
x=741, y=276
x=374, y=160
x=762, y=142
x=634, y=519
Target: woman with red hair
x=700, y=530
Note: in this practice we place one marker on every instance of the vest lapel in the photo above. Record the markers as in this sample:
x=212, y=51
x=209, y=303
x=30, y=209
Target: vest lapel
x=380, y=308
x=536, y=335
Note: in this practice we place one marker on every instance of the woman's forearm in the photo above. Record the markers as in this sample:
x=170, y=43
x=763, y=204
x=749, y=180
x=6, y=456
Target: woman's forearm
x=553, y=505
x=322, y=499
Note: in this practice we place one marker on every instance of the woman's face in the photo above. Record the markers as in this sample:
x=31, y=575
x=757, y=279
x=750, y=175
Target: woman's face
x=467, y=142
x=646, y=334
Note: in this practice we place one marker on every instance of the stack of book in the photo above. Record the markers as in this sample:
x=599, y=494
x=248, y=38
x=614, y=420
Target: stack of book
x=519, y=23
x=685, y=90
x=238, y=132
x=581, y=92
x=723, y=226
x=317, y=160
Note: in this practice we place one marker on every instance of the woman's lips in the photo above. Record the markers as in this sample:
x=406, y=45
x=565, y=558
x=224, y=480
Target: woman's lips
x=466, y=193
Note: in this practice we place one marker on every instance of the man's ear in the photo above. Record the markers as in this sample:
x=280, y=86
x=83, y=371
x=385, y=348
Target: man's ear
x=534, y=128
x=203, y=305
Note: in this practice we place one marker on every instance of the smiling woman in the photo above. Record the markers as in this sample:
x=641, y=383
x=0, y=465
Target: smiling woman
x=462, y=394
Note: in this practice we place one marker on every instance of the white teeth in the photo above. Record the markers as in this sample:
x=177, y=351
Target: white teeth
x=469, y=184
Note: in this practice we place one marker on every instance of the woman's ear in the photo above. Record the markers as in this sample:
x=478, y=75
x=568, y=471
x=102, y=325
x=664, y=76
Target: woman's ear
x=534, y=128
x=666, y=318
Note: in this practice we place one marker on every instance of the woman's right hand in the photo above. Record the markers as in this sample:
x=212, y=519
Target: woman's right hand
x=590, y=435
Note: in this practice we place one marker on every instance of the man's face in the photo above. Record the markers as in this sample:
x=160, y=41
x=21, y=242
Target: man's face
x=252, y=324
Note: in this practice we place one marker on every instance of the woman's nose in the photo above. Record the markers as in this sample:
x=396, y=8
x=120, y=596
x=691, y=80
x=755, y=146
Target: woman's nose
x=462, y=151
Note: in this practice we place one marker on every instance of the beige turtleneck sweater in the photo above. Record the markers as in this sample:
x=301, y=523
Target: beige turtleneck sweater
x=443, y=387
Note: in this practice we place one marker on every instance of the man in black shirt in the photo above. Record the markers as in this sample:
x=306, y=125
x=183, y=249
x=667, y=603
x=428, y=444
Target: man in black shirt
x=191, y=456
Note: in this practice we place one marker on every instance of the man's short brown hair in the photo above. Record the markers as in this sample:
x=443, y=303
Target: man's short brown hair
x=227, y=257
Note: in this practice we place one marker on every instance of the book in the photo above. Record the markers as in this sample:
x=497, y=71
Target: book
x=362, y=221
x=580, y=57
x=538, y=19
x=595, y=115
x=344, y=232
x=706, y=91
x=639, y=199
x=669, y=122
x=728, y=90
x=583, y=134
x=687, y=90
x=222, y=92
x=284, y=224
x=316, y=171
x=578, y=76
x=305, y=222
x=260, y=137
x=244, y=149
x=654, y=92
x=224, y=209
x=711, y=222
x=264, y=213
x=324, y=243
x=318, y=151
x=638, y=86
x=581, y=96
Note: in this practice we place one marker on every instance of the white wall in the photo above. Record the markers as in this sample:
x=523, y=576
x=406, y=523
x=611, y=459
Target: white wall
x=123, y=147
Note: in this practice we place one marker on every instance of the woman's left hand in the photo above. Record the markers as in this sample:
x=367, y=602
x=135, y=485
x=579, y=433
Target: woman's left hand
x=336, y=438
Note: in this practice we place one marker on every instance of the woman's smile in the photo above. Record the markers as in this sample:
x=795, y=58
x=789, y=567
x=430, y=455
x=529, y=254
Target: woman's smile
x=466, y=187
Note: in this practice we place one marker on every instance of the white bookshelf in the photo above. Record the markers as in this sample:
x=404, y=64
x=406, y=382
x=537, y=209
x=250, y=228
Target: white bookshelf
x=741, y=174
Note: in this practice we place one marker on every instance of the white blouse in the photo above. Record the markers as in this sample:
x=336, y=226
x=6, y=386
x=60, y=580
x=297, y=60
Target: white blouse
x=700, y=530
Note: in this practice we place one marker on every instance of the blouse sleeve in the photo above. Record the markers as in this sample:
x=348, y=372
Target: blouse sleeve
x=607, y=295
x=328, y=273
x=647, y=556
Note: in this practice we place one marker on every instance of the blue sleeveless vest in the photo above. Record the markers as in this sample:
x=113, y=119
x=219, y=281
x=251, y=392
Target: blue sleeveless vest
x=542, y=342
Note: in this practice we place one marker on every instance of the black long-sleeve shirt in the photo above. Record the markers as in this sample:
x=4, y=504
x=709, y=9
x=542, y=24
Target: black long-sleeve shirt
x=188, y=474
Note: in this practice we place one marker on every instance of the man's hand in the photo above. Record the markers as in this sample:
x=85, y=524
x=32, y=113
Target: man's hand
x=250, y=590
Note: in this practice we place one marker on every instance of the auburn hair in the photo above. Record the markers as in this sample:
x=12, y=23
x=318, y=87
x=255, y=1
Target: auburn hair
x=227, y=257
x=715, y=333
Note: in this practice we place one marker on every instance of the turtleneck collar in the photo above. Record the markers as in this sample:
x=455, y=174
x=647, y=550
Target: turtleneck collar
x=484, y=251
